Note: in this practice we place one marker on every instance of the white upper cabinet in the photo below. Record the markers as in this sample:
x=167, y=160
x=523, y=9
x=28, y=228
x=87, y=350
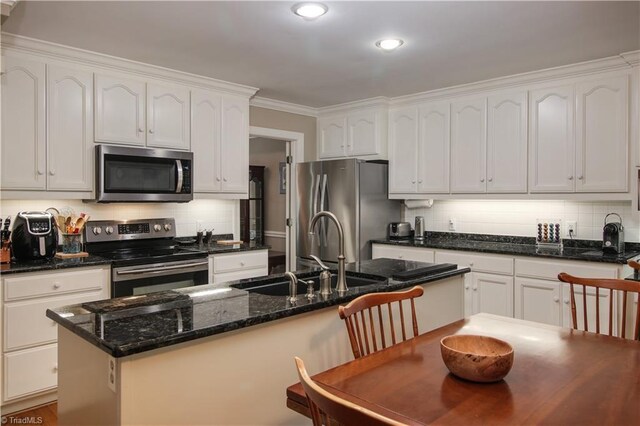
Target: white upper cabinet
x=332, y=137
x=468, y=145
x=119, y=110
x=70, y=129
x=363, y=134
x=507, y=143
x=23, y=124
x=234, y=153
x=206, y=131
x=403, y=147
x=168, y=117
x=551, y=139
x=359, y=132
x=433, y=148
x=602, y=149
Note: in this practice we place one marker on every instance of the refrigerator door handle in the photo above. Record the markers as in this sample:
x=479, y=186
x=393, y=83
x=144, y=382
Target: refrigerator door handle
x=315, y=205
x=323, y=221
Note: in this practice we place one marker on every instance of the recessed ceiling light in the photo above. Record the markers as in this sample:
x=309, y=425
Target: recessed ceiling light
x=309, y=11
x=389, y=44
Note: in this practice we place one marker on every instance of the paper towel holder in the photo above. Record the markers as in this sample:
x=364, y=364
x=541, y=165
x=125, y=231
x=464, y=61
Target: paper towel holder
x=418, y=204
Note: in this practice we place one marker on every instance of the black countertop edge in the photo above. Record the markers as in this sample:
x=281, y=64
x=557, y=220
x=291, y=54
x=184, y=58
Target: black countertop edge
x=128, y=349
x=509, y=247
x=17, y=266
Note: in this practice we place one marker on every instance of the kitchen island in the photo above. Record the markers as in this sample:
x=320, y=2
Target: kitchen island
x=216, y=354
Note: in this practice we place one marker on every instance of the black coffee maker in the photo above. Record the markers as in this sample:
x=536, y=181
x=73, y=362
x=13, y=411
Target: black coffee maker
x=613, y=236
x=34, y=236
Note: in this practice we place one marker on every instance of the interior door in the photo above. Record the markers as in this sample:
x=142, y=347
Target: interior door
x=308, y=187
x=338, y=194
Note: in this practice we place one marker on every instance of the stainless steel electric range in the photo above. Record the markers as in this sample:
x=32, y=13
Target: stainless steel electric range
x=145, y=256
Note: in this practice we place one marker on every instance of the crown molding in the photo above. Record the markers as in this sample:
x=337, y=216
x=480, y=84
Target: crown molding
x=6, y=6
x=611, y=63
x=260, y=102
x=98, y=60
x=632, y=58
x=377, y=102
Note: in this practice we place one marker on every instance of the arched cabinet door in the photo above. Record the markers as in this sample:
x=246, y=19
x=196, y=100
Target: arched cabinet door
x=23, y=124
x=332, y=137
x=119, y=110
x=468, y=145
x=205, y=140
x=234, y=151
x=403, y=148
x=70, y=129
x=602, y=140
x=433, y=148
x=168, y=123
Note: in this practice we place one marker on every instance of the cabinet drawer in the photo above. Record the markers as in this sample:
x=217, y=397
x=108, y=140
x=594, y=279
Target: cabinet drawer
x=549, y=270
x=478, y=263
x=30, y=371
x=50, y=283
x=225, y=277
x=403, y=253
x=26, y=324
x=238, y=261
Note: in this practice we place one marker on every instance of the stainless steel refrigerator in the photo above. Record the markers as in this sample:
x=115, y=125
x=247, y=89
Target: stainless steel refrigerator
x=356, y=191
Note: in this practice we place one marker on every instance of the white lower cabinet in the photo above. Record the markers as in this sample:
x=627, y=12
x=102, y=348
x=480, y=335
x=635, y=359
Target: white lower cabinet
x=227, y=267
x=538, y=300
x=29, y=350
x=402, y=253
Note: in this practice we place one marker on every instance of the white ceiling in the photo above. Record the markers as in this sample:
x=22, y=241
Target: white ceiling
x=333, y=59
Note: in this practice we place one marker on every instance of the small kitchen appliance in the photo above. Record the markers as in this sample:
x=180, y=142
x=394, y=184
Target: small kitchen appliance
x=34, y=236
x=613, y=236
x=399, y=230
x=419, y=228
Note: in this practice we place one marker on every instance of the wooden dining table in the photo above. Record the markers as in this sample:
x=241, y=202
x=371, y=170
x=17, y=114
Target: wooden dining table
x=559, y=376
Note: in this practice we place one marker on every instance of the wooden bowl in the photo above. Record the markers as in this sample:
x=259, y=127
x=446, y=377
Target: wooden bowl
x=477, y=358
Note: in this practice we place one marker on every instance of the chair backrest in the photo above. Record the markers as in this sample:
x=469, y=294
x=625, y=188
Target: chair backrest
x=323, y=403
x=613, y=285
x=368, y=335
x=635, y=265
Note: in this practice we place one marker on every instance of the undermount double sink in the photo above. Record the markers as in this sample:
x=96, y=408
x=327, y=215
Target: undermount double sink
x=281, y=288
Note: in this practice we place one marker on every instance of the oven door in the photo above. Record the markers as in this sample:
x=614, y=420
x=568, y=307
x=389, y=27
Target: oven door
x=143, y=279
x=140, y=174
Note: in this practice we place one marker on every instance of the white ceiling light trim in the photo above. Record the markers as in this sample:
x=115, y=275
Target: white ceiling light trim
x=389, y=44
x=309, y=11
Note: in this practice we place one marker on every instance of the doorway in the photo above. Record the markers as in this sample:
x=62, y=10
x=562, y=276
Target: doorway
x=278, y=151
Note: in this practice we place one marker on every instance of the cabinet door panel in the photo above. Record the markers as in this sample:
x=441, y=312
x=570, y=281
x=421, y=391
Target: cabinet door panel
x=23, y=124
x=205, y=140
x=602, y=149
x=403, y=146
x=551, y=156
x=507, y=143
x=363, y=135
x=433, y=149
x=332, y=135
x=168, y=117
x=402, y=253
x=493, y=294
x=468, y=146
x=30, y=371
x=234, y=159
x=119, y=110
x=70, y=129
x=538, y=300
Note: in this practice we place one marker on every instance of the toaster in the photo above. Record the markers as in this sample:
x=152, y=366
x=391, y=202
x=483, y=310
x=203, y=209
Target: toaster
x=399, y=230
x=34, y=236
x=613, y=236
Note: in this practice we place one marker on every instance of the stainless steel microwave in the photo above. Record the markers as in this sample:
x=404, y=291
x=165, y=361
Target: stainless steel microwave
x=143, y=175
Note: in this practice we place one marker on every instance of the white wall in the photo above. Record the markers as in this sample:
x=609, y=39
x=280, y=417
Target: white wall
x=519, y=217
x=222, y=215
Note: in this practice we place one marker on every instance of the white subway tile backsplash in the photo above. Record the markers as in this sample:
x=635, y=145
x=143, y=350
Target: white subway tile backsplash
x=221, y=215
x=519, y=217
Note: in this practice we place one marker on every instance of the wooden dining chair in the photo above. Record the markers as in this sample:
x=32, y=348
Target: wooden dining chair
x=613, y=285
x=327, y=408
x=364, y=332
x=635, y=265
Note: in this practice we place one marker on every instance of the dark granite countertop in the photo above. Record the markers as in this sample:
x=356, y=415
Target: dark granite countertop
x=139, y=324
x=51, y=264
x=586, y=250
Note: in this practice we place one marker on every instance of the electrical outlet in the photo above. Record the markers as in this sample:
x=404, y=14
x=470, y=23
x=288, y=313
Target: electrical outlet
x=452, y=224
x=111, y=374
x=571, y=229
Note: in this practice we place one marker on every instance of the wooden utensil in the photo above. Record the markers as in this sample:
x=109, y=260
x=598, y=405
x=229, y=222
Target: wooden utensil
x=78, y=225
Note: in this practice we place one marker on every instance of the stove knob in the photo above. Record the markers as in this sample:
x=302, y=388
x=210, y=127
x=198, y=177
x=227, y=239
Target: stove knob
x=157, y=227
x=108, y=230
x=167, y=227
x=97, y=230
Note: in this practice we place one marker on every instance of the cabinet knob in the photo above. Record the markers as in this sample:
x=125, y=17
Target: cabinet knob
x=140, y=130
x=475, y=289
x=55, y=368
x=490, y=179
x=241, y=263
x=218, y=179
x=420, y=181
x=224, y=179
x=580, y=177
x=566, y=301
x=52, y=172
x=556, y=299
x=150, y=131
x=482, y=180
x=570, y=177
x=466, y=287
x=470, y=264
x=40, y=172
x=56, y=286
x=413, y=181
x=400, y=257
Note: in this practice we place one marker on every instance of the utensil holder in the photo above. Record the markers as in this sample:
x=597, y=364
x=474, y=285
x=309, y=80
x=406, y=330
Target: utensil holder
x=5, y=252
x=71, y=243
